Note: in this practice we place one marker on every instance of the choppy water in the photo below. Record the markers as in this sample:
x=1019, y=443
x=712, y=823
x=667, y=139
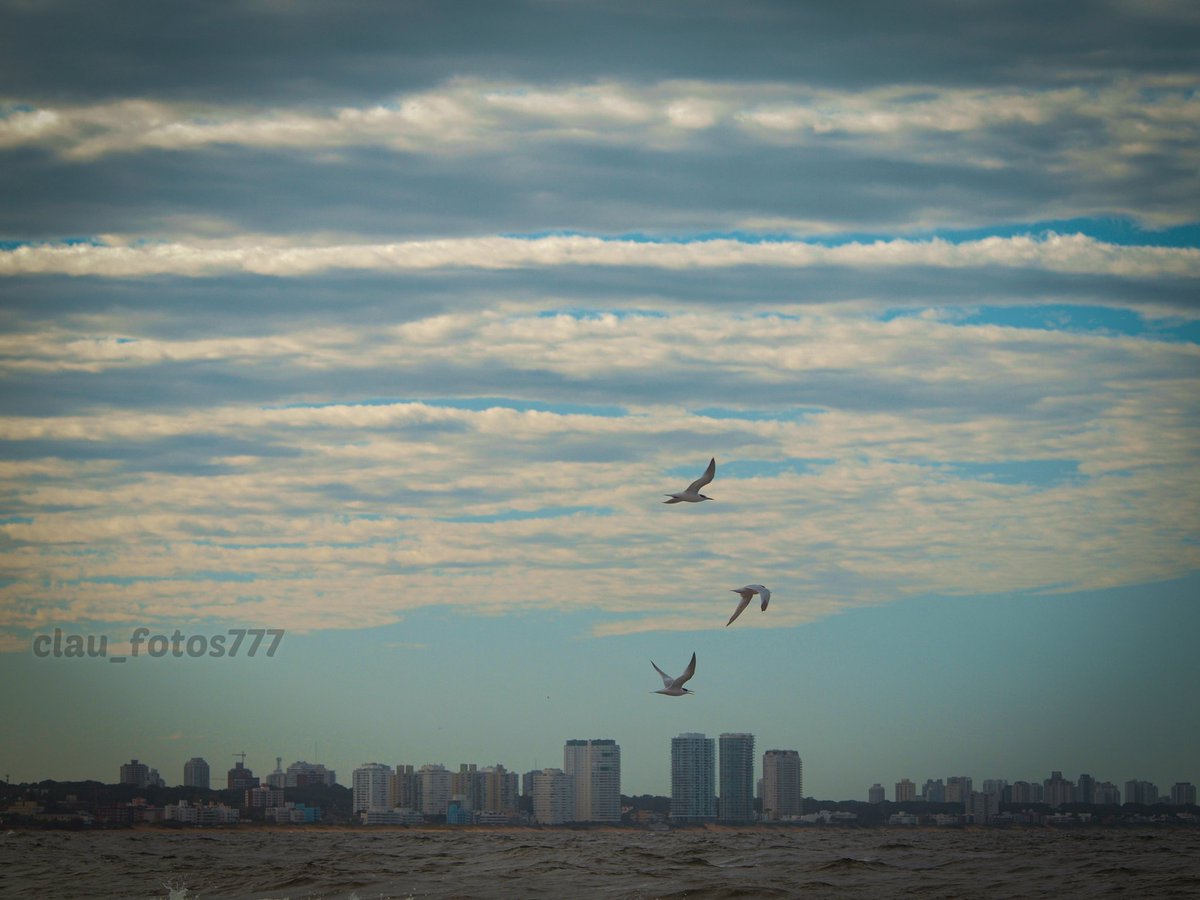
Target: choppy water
x=723, y=863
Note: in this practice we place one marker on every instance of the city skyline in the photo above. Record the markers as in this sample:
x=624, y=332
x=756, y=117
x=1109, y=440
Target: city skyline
x=696, y=765
x=345, y=368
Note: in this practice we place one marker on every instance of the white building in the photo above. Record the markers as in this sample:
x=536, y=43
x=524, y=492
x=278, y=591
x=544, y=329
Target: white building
x=553, y=797
x=435, y=783
x=372, y=784
x=595, y=766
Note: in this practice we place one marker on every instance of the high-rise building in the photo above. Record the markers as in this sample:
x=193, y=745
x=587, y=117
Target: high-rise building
x=435, y=790
x=736, y=778
x=404, y=788
x=134, y=772
x=239, y=778
x=501, y=793
x=997, y=786
x=301, y=773
x=982, y=806
x=693, y=777
x=196, y=773
x=1022, y=792
x=875, y=793
x=1085, y=789
x=595, y=765
x=1057, y=791
x=553, y=792
x=278, y=778
x=1142, y=792
x=466, y=787
x=372, y=785
x=906, y=791
x=934, y=791
x=1106, y=794
x=1183, y=793
x=782, y=784
x=958, y=789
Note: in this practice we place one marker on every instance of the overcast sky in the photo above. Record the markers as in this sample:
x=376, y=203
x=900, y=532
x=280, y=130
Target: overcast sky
x=391, y=325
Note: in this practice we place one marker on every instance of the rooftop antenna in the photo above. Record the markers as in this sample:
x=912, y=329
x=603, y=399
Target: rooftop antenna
x=243, y=756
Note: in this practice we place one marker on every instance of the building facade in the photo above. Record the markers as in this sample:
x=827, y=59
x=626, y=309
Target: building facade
x=134, y=772
x=906, y=791
x=693, y=778
x=1058, y=791
x=196, y=773
x=372, y=786
x=736, y=780
x=435, y=790
x=595, y=766
x=1183, y=793
x=783, y=785
x=301, y=773
x=553, y=793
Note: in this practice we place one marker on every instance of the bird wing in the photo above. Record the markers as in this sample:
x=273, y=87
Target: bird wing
x=687, y=673
x=766, y=597
x=705, y=478
x=746, y=595
x=667, y=679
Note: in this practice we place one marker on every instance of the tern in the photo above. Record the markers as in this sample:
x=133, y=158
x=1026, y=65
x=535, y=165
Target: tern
x=692, y=494
x=747, y=592
x=673, y=687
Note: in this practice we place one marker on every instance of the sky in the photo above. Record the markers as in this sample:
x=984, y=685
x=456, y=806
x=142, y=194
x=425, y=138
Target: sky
x=389, y=325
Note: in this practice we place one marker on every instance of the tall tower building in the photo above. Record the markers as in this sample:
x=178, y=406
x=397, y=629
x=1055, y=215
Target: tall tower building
x=596, y=767
x=372, y=785
x=1085, y=789
x=1105, y=793
x=239, y=778
x=958, y=789
x=693, y=771
x=736, y=778
x=875, y=793
x=134, y=772
x=501, y=793
x=906, y=791
x=466, y=786
x=196, y=773
x=404, y=787
x=278, y=778
x=301, y=773
x=782, y=784
x=1058, y=790
x=553, y=794
x=435, y=790
x=1183, y=793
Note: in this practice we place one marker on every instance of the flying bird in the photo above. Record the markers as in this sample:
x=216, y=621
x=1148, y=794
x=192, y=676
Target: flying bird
x=747, y=592
x=692, y=494
x=673, y=687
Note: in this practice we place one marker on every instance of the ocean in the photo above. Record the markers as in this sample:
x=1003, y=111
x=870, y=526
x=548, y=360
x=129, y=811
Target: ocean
x=531, y=863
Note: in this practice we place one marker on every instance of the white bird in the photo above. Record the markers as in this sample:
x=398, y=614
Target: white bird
x=673, y=687
x=747, y=592
x=692, y=494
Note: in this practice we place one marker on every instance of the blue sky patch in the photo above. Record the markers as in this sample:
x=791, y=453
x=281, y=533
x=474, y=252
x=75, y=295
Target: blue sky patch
x=519, y=515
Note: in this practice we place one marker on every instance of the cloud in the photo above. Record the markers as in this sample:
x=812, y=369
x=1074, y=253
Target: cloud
x=379, y=508
x=1071, y=253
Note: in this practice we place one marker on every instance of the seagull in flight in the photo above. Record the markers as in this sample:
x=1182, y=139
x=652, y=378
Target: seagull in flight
x=673, y=687
x=692, y=494
x=747, y=592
